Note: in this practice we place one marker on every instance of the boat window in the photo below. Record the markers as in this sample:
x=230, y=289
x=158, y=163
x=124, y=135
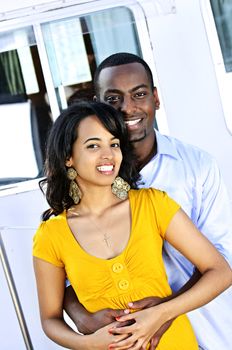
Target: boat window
x=222, y=11
x=217, y=16
x=76, y=45
x=43, y=69
x=24, y=108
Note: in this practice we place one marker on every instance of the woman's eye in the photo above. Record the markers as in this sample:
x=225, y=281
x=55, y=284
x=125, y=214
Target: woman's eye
x=94, y=145
x=115, y=145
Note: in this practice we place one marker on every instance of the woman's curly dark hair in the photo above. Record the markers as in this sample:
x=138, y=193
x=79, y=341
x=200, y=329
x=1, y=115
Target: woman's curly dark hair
x=62, y=136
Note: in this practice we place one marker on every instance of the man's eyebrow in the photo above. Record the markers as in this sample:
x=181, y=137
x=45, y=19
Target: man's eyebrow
x=117, y=91
x=139, y=87
x=114, y=91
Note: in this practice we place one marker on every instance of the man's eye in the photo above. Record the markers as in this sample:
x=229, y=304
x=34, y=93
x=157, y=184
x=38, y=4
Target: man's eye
x=112, y=99
x=140, y=94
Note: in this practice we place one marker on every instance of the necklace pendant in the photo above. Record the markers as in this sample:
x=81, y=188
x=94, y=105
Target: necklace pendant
x=105, y=239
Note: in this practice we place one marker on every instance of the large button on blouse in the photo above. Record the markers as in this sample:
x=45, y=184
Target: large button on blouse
x=123, y=284
x=117, y=267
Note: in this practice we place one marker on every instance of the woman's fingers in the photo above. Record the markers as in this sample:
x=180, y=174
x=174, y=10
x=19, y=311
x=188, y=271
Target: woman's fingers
x=125, y=323
x=144, y=345
x=130, y=344
x=123, y=344
x=116, y=341
x=122, y=330
x=128, y=317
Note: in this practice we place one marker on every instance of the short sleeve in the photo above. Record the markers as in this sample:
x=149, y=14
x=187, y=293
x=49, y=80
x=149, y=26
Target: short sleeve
x=45, y=247
x=165, y=208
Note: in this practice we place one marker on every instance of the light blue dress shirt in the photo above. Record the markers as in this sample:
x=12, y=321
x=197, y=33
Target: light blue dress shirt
x=192, y=178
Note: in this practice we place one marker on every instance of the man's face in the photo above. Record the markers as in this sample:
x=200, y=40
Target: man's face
x=128, y=89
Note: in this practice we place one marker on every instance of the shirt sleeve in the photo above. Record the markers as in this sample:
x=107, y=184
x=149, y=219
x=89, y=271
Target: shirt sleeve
x=44, y=245
x=215, y=215
x=165, y=208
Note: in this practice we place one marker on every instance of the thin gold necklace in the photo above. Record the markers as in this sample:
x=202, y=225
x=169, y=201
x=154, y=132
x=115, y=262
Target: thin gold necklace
x=105, y=235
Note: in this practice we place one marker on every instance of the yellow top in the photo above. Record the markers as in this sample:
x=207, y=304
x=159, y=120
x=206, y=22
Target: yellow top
x=136, y=273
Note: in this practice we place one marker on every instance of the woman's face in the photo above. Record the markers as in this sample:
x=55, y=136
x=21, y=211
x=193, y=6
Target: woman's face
x=96, y=154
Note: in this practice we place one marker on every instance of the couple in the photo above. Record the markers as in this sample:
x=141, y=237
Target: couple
x=125, y=81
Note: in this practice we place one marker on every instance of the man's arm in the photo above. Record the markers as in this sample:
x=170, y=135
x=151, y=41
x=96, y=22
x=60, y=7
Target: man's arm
x=87, y=322
x=215, y=216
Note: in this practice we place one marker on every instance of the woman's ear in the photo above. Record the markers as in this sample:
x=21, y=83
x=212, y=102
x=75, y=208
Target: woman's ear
x=69, y=162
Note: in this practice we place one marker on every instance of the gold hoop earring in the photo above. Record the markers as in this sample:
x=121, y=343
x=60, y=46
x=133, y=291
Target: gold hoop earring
x=74, y=190
x=120, y=188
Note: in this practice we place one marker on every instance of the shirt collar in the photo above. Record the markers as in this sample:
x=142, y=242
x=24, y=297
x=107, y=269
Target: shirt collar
x=165, y=146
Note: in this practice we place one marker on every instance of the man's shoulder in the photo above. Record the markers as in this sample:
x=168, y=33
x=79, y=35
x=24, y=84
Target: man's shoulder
x=184, y=150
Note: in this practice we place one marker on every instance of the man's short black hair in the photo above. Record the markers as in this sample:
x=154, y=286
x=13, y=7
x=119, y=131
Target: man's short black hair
x=119, y=59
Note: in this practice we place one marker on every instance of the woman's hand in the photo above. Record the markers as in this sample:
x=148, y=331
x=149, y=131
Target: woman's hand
x=102, y=338
x=146, y=323
x=150, y=302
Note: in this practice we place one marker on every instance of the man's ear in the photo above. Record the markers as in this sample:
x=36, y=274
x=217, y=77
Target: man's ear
x=156, y=96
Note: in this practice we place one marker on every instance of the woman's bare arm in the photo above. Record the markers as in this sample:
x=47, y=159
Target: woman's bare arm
x=50, y=286
x=216, y=277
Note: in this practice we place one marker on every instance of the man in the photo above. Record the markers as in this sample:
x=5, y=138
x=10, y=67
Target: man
x=187, y=174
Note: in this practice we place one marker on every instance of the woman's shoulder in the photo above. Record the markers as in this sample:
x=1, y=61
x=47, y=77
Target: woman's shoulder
x=158, y=199
x=49, y=226
x=147, y=192
x=48, y=240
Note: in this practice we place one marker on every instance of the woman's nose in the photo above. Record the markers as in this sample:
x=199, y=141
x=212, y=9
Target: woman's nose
x=107, y=153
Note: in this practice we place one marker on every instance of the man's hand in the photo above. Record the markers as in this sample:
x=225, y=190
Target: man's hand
x=87, y=322
x=99, y=319
x=146, y=303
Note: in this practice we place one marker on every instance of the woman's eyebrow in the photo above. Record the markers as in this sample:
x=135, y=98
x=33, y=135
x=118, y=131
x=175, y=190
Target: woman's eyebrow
x=98, y=139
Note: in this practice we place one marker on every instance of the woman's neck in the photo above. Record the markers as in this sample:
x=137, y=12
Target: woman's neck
x=97, y=201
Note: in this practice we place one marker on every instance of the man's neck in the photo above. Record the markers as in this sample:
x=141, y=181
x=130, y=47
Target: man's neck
x=145, y=150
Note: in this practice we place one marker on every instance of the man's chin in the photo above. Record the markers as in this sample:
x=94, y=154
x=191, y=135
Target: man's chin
x=138, y=138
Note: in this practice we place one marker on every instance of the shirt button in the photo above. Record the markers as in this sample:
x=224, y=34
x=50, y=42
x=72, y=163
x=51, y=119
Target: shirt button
x=117, y=267
x=123, y=284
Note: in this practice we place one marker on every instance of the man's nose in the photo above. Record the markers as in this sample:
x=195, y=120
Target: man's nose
x=127, y=105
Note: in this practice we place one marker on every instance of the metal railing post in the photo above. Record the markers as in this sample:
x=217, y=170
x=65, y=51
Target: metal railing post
x=14, y=296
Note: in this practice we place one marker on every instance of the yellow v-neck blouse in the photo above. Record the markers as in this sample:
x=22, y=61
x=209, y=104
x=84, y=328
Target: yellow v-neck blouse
x=136, y=273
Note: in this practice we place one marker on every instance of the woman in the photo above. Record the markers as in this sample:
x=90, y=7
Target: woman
x=107, y=239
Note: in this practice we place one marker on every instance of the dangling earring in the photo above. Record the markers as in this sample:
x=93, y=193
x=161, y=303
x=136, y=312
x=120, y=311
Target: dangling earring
x=120, y=188
x=74, y=190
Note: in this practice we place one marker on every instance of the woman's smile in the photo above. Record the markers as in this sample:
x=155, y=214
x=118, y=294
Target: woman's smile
x=106, y=169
